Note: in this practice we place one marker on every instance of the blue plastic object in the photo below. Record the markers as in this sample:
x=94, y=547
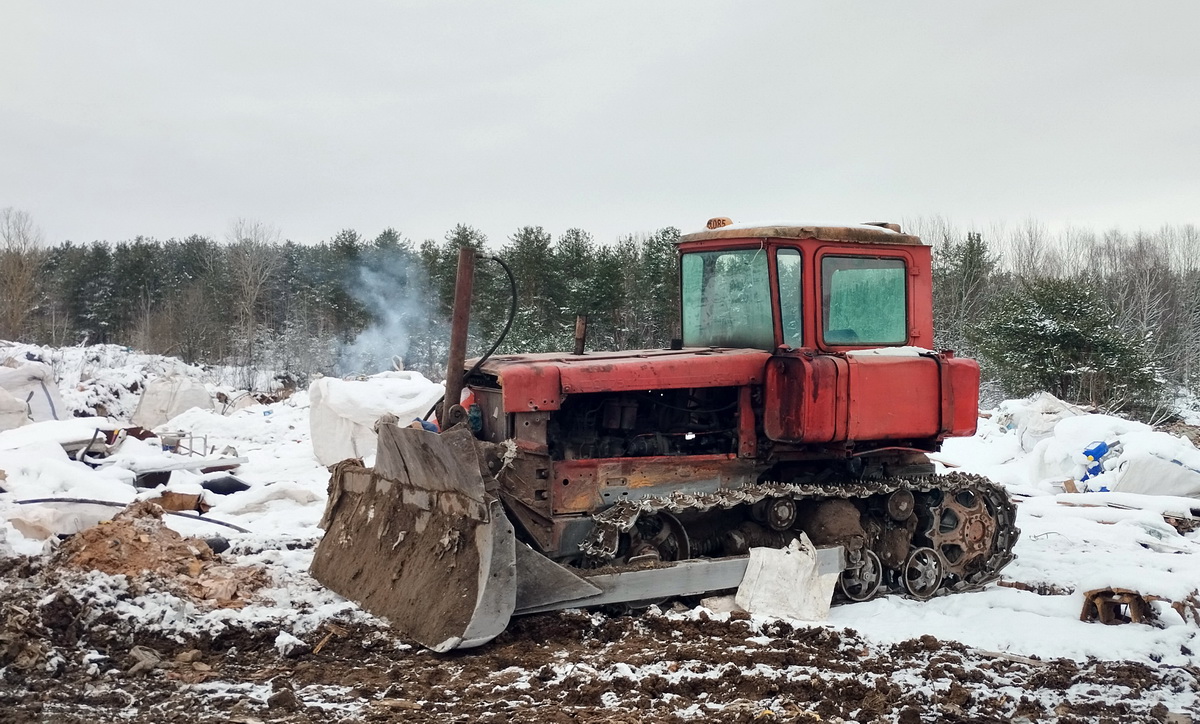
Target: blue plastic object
x=1094, y=453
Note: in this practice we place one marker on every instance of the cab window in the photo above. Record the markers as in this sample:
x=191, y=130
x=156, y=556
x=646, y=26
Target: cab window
x=787, y=264
x=727, y=299
x=863, y=301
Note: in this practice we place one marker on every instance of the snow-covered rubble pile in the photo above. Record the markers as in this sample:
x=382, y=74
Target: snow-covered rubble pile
x=343, y=412
x=106, y=379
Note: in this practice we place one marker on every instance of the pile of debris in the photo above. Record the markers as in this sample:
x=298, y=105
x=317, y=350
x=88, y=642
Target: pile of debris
x=49, y=611
x=136, y=543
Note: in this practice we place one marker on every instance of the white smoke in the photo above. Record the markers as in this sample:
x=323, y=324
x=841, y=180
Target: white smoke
x=395, y=294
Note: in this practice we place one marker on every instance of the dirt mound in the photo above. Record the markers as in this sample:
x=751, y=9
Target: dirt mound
x=136, y=543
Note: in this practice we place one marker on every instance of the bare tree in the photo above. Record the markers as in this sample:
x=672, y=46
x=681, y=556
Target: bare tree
x=21, y=257
x=1028, y=250
x=1183, y=244
x=1074, y=245
x=254, y=257
x=933, y=230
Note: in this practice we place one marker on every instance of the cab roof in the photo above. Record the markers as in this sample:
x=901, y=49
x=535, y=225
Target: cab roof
x=869, y=233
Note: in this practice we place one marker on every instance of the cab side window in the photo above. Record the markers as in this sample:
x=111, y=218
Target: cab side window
x=864, y=301
x=787, y=263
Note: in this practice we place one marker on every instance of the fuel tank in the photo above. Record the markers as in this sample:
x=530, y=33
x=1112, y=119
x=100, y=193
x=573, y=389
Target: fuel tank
x=891, y=394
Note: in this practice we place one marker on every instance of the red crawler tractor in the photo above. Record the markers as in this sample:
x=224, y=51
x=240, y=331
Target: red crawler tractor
x=803, y=398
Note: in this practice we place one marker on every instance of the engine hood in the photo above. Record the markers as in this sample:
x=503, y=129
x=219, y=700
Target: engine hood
x=540, y=381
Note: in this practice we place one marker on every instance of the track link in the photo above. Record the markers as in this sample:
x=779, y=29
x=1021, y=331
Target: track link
x=602, y=544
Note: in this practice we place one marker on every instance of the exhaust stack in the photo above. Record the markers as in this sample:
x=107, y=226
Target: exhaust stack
x=463, y=283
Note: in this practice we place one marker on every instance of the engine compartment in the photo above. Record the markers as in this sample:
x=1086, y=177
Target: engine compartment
x=694, y=421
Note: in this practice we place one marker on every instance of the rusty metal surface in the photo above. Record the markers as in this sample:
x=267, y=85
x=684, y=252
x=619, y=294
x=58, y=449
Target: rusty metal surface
x=580, y=334
x=418, y=541
x=860, y=234
x=831, y=398
x=747, y=432
x=961, y=529
x=603, y=543
x=806, y=399
x=588, y=485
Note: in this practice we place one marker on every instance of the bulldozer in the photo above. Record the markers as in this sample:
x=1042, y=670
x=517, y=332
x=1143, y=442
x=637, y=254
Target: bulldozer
x=800, y=402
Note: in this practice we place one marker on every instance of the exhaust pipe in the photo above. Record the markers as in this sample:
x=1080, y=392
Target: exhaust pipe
x=580, y=333
x=463, y=282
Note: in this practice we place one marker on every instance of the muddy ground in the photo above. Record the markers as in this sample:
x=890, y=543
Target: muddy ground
x=66, y=661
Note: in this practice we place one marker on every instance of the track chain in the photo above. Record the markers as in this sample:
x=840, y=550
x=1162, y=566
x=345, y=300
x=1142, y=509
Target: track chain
x=602, y=543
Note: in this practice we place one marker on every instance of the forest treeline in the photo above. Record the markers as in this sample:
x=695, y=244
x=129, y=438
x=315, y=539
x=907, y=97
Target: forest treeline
x=346, y=305
x=1109, y=319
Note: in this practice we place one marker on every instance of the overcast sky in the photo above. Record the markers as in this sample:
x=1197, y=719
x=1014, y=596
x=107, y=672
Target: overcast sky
x=168, y=119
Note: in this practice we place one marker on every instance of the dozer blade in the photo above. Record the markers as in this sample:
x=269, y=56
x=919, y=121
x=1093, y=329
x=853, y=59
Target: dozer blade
x=417, y=539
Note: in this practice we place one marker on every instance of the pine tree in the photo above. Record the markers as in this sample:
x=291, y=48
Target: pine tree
x=539, y=320
x=1059, y=335
x=963, y=280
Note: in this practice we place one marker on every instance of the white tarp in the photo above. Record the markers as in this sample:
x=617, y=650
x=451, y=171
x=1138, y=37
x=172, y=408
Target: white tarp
x=343, y=412
x=32, y=385
x=168, y=397
x=1153, y=475
x=13, y=412
x=787, y=583
x=74, y=433
x=1034, y=419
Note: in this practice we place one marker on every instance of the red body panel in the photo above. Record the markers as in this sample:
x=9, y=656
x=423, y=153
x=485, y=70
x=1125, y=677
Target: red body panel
x=539, y=381
x=588, y=435
x=817, y=395
x=586, y=485
x=964, y=374
x=894, y=398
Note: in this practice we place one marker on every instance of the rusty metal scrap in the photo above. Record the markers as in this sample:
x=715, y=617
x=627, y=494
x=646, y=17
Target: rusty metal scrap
x=1122, y=605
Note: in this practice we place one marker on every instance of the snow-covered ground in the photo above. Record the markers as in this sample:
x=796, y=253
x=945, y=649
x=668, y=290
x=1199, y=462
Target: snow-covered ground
x=1070, y=542
x=1064, y=545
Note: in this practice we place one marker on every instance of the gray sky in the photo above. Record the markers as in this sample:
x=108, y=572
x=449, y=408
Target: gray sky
x=167, y=119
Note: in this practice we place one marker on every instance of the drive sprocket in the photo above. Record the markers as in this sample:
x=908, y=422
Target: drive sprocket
x=972, y=527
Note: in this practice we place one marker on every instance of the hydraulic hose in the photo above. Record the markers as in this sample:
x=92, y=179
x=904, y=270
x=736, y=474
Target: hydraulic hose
x=512, y=314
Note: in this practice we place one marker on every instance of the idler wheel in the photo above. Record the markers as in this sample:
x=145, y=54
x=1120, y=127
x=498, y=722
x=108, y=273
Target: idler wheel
x=659, y=537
